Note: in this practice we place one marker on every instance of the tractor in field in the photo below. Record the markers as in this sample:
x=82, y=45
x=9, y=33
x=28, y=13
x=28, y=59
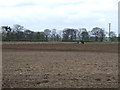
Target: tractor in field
x=82, y=41
x=78, y=42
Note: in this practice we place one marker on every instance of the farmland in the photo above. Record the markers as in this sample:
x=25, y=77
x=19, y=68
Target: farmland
x=59, y=65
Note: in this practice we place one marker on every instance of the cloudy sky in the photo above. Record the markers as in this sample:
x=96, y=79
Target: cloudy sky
x=38, y=15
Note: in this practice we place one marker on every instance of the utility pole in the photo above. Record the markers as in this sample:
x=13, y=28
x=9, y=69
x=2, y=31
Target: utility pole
x=109, y=30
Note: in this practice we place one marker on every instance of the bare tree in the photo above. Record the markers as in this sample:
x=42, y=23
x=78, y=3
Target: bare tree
x=17, y=27
x=84, y=34
x=53, y=34
x=18, y=33
x=47, y=33
x=99, y=33
x=6, y=33
x=69, y=34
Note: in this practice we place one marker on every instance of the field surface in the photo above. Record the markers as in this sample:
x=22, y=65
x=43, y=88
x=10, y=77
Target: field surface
x=59, y=65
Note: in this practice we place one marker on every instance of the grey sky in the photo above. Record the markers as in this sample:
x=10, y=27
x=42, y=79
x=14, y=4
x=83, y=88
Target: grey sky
x=38, y=15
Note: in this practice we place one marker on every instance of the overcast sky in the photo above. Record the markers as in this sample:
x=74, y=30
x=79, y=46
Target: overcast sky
x=38, y=15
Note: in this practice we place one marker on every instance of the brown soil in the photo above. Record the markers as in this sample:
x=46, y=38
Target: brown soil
x=60, y=65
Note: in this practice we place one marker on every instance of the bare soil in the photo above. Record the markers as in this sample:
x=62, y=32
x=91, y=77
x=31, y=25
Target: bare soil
x=59, y=65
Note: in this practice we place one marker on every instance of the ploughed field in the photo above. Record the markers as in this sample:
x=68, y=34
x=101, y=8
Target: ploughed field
x=59, y=65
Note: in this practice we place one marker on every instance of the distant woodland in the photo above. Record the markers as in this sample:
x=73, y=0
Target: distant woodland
x=19, y=33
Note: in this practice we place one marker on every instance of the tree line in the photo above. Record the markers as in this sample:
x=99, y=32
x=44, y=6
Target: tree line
x=19, y=33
